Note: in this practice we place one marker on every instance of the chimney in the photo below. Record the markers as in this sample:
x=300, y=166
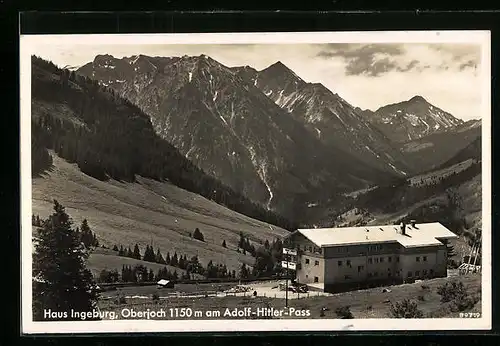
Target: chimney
x=413, y=223
x=403, y=228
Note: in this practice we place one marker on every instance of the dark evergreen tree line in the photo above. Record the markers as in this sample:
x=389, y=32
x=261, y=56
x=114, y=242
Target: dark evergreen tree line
x=190, y=265
x=83, y=233
x=112, y=138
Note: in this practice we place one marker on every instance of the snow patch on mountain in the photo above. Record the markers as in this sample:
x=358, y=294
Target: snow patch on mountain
x=397, y=170
x=370, y=150
x=262, y=172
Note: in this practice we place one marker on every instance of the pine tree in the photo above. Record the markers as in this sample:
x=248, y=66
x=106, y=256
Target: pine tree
x=243, y=271
x=115, y=248
x=224, y=243
x=167, y=258
x=198, y=235
x=60, y=280
x=174, y=262
x=86, y=234
x=137, y=253
x=159, y=258
x=267, y=245
x=130, y=253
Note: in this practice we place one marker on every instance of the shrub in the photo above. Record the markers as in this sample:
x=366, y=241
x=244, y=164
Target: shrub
x=451, y=291
x=406, y=309
x=464, y=302
x=421, y=298
x=344, y=312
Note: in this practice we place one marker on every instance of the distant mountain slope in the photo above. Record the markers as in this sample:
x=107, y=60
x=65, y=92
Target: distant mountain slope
x=110, y=138
x=433, y=151
x=327, y=116
x=411, y=119
x=225, y=124
x=471, y=151
x=148, y=211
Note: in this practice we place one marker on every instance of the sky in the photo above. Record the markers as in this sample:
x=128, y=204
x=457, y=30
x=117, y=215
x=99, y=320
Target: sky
x=367, y=75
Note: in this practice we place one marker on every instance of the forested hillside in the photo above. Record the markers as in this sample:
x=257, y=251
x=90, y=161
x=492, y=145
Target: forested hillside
x=108, y=137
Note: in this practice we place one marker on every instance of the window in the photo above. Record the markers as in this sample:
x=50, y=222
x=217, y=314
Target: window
x=320, y=250
x=348, y=262
x=432, y=271
x=410, y=274
x=316, y=263
x=389, y=259
x=417, y=273
x=381, y=259
x=316, y=279
x=418, y=259
x=424, y=271
x=307, y=260
x=425, y=258
x=340, y=263
x=310, y=249
x=347, y=277
x=370, y=261
x=360, y=268
x=298, y=247
x=376, y=260
x=397, y=259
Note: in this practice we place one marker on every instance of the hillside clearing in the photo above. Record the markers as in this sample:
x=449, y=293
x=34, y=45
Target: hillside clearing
x=149, y=211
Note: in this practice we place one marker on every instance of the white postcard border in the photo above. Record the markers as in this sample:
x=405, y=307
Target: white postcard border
x=28, y=44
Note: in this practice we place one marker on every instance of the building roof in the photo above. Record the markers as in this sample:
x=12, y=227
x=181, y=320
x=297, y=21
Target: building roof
x=163, y=282
x=424, y=234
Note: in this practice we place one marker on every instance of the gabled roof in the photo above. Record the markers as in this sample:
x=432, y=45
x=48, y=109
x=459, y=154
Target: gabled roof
x=424, y=234
x=163, y=282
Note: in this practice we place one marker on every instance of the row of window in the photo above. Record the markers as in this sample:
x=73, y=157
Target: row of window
x=310, y=248
x=381, y=259
x=316, y=279
x=417, y=273
x=316, y=263
x=370, y=261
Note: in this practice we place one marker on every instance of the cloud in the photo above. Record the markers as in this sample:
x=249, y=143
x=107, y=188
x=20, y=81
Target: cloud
x=376, y=60
x=371, y=60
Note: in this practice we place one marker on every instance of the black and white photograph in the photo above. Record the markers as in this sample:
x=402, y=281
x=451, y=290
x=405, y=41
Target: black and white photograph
x=256, y=182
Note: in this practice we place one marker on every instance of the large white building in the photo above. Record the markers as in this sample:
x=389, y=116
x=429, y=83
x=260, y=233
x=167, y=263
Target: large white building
x=341, y=259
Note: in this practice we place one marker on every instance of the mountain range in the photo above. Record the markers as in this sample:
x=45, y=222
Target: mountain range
x=281, y=141
x=226, y=124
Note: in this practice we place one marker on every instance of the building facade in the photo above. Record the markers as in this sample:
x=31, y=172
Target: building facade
x=341, y=259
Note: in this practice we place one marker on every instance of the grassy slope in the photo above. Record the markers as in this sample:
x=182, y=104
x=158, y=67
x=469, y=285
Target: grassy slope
x=126, y=213
x=359, y=301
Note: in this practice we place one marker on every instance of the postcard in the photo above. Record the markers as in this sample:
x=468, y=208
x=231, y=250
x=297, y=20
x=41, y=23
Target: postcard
x=233, y=182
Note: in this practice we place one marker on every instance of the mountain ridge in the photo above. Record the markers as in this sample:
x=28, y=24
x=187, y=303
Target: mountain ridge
x=271, y=149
